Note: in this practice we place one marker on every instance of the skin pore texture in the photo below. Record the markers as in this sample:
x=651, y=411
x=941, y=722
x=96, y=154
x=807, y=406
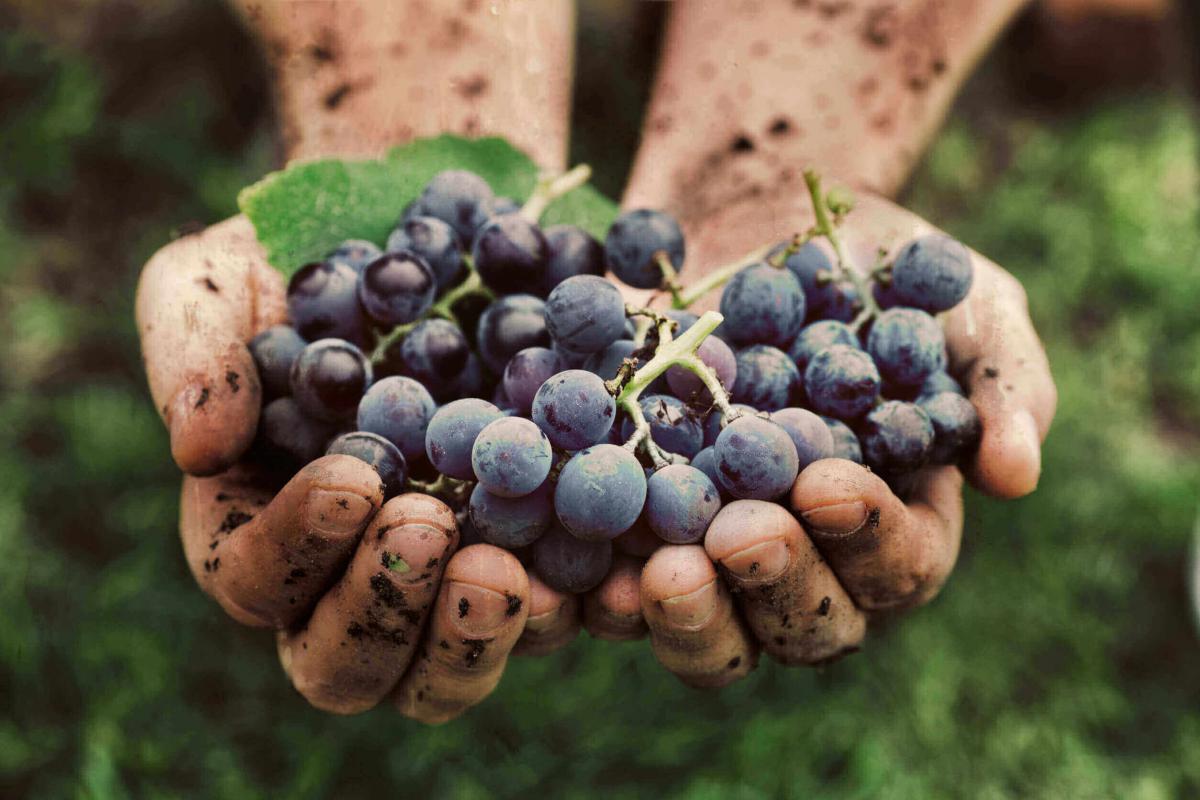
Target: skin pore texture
x=317, y=560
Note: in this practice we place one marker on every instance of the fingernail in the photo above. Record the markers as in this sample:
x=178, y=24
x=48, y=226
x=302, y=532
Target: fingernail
x=693, y=609
x=414, y=555
x=337, y=512
x=478, y=611
x=761, y=562
x=838, y=519
x=1027, y=429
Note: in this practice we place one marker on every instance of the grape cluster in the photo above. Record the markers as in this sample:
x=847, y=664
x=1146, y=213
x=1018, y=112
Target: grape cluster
x=490, y=362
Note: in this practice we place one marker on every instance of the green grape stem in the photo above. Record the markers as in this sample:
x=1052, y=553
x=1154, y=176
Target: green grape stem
x=717, y=278
x=550, y=188
x=827, y=228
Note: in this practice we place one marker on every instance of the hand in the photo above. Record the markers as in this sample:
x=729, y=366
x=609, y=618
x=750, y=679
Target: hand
x=807, y=591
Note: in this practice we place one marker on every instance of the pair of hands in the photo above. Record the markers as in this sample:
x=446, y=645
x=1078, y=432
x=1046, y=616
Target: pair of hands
x=312, y=560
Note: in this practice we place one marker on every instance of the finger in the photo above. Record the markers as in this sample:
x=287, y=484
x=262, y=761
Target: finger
x=479, y=615
x=694, y=630
x=788, y=594
x=994, y=346
x=267, y=564
x=364, y=630
x=199, y=300
x=885, y=553
x=553, y=620
x=613, y=610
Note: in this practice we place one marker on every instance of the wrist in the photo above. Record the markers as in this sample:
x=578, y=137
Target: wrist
x=355, y=78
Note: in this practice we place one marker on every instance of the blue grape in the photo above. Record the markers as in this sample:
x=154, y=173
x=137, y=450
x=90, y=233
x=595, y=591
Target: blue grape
x=712, y=423
x=511, y=457
x=585, y=314
x=756, y=459
x=606, y=362
x=845, y=442
x=568, y=359
x=451, y=433
x=322, y=301
x=810, y=434
x=509, y=325
x=435, y=242
x=956, y=426
x=719, y=358
x=896, y=437
x=827, y=297
x=574, y=409
x=456, y=197
x=766, y=378
x=600, y=492
x=436, y=353
x=683, y=318
x=908, y=346
x=289, y=434
x=932, y=273
x=837, y=300
x=809, y=264
x=816, y=337
x=471, y=383
x=274, y=351
x=842, y=381
x=510, y=254
x=399, y=410
x=940, y=382
x=355, y=252
x=762, y=305
x=634, y=239
x=377, y=451
x=573, y=251
x=673, y=427
x=884, y=294
x=512, y=522
x=494, y=207
x=328, y=378
x=680, y=503
x=396, y=288
x=706, y=462
x=568, y=564
x=524, y=375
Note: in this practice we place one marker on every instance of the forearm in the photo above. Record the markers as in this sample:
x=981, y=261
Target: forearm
x=746, y=99
x=355, y=77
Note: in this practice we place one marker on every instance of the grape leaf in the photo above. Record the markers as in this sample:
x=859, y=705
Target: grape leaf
x=302, y=212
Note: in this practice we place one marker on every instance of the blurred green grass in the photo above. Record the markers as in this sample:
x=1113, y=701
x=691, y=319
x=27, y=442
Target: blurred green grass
x=1059, y=662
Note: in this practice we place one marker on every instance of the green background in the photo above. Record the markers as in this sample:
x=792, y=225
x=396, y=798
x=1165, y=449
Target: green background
x=1061, y=661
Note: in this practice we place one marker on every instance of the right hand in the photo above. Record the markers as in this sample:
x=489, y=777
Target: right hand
x=308, y=560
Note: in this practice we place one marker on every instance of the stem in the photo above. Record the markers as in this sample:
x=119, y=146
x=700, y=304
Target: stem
x=718, y=277
x=711, y=383
x=827, y=229
x=549, y=189
x=670, y=276
x=779, y=260
x=442, y=487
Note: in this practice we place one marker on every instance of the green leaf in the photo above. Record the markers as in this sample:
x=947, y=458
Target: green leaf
x=304, y=211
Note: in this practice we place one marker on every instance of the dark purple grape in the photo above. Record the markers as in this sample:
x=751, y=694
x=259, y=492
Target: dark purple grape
x=680, y=503
x=511, y=457
x=896, y=437
x=600, y=492
x=509, y=325
x=568, y=564
x=322, y=300
x=767, y=378
x=524, y=375
x=810, y=434
x=585, y=314
x=355, y=252
x=720, y=359
x=956, y=426
x=274, y=351
x=382, y=455
x=845, y=442
x=510, y=255
x=756, y=459
x=574, y=409
x=842, y=381
x=940, y=382
x=512, y=522
x=435, y=242
x=932, y=273
x=633, y=242
x=673, y=426
x=609, y=360
x=907, y=345
x=436, y=353
x=328, y=379
x=396, y=288
x=573, y=251
x=712, y=423
x=399, y=410
x=762, y=305
x=457, y=197
x=706, y=462
x=451, y=433
x=288, y=434
x=816, y=337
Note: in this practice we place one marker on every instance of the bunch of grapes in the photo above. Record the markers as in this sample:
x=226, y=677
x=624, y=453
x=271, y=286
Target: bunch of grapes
x=485, y=360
